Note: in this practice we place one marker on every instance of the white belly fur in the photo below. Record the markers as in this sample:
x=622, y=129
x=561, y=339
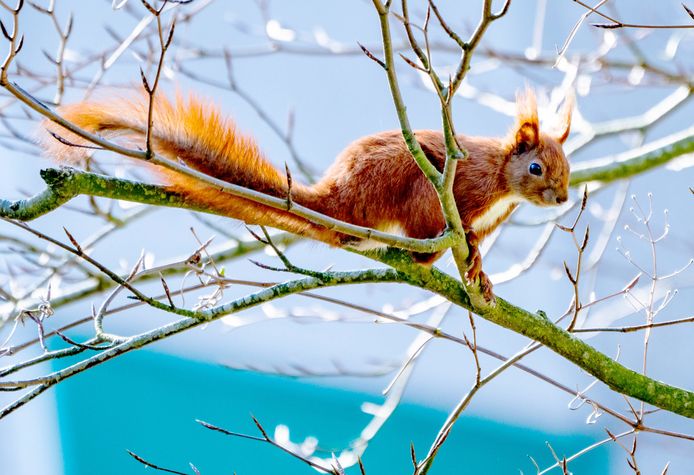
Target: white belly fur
x=492, y=215
x=370, y=244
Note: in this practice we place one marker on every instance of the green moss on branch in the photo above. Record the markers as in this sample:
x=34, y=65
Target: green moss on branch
x=63, y=184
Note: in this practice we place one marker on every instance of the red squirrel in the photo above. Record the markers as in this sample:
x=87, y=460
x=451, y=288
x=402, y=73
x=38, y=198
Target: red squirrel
x=374, y=182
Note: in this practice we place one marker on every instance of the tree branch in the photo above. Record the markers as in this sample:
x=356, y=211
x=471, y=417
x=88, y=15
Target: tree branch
x=542, y=330
x=634, y=162
x=67, y=183
x=286, y=288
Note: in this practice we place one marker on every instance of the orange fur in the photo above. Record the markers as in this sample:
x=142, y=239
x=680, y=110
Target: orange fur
x=374, y=182
x=196, y=134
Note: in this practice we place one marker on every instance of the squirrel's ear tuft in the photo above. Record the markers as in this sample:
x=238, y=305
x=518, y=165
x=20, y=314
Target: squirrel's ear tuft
x=527, y=131
x=564, y=123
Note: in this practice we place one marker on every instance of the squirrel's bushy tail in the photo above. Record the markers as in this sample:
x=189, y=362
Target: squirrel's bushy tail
x=195, y=133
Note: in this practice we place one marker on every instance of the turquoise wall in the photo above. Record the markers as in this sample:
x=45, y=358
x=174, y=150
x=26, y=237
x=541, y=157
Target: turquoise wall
x=148, y=402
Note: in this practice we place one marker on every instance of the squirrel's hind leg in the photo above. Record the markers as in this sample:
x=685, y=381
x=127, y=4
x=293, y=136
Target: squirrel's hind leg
x=475, y=272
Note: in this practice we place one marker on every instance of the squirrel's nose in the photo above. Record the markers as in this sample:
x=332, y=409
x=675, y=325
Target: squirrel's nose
x=561, y=199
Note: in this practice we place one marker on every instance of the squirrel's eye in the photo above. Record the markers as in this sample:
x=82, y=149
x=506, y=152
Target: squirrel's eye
x=535, y=169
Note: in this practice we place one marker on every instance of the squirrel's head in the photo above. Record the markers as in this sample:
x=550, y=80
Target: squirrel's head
x=536, y=166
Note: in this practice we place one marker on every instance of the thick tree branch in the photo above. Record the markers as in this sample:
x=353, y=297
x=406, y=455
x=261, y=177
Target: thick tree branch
x=539, y=328
x=542, y=330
